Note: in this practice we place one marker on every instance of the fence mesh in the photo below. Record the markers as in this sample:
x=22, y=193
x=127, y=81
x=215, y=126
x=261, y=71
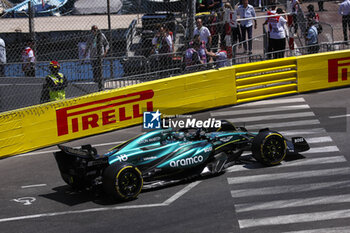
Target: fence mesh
x=144, y=40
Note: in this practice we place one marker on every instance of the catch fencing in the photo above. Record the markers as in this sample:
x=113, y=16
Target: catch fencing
x=131, y=29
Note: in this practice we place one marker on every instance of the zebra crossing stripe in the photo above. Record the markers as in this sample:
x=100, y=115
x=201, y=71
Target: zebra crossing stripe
x=259, y=110
x=323, y=149
x=294, y=218
x=324, y=230
x=288, y=175
x=272, y=117
x=283, y=189
x=318, y=140
x=280, y=204
x=300, y=162
x=301, y=132
x=284, y=124
x=275, y=101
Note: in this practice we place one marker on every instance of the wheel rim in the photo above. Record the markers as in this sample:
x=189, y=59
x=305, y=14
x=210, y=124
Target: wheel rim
x=129, y=183
x=274, y=149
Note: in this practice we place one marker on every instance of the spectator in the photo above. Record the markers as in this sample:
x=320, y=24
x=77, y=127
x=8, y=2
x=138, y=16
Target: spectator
x=236, y=33
x=277, y=34
x=199, y=46
x=344, y=10
x=55, y=83
x=203, y=33
x=320, y=5
x=28, y=58
x=213, y=5
x=191, y=57
x=213, y=29
x=311, y=38
x=2, y=57
x=163, y=41
x=292, y=8
x=98, y=46
x=311, y=14
x=201, y=6
x=220, y=56
x=247, y=11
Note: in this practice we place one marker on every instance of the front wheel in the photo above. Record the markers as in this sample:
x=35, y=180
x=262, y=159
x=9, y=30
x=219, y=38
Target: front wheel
x=269, y=148
x=122, y=181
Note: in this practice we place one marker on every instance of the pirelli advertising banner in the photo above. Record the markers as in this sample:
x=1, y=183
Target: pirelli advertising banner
x=324, y=70
x=52, y=123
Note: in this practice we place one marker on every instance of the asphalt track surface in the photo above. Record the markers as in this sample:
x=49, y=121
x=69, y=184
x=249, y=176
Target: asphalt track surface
x=309, y=194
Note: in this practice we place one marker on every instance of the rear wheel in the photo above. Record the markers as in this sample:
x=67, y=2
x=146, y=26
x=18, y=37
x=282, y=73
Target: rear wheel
x=269, y=148
x=123, y=182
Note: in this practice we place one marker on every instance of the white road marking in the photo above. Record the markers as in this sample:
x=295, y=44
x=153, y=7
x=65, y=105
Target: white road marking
x=79, y=212
x=295, y=218
x=165, y=203
x=301, y=132
x=282, y=189
x=33, y=186
x=322, y=200
x=52, y=151
x=324, y=230
x=318, y=140
x=300, y=162
x=323, y=149
x=25, y=200
x=284, y=124
x=272, y=117
x=275, y=101
x=259, y=110
x=340, y=116
x=288, y=175
x=181, y=192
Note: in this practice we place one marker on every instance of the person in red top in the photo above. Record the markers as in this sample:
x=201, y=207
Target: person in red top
x=28, y=58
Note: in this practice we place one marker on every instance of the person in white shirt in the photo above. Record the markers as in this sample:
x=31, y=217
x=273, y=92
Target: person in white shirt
x=344, y=11
x=247, y=11
x=292, y=8
x=2, y=57
x=28, y=58
x=232, y=19
x=203, y=33
x=277, y=34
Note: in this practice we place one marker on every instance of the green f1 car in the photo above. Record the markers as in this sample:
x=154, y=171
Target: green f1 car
x=166, y=156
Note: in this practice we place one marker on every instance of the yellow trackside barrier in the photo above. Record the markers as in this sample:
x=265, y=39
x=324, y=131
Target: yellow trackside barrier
x=322, y=71
x=52, y=123
x=266, y=79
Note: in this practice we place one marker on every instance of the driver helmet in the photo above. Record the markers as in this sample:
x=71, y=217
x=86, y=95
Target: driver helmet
x=54, y=66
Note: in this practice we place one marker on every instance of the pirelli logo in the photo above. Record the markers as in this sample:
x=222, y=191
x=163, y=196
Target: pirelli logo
x=338, y=69
x=103, y=112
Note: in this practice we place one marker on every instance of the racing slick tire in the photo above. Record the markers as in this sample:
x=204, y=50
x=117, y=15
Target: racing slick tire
x=269, y=148
x=122, y=181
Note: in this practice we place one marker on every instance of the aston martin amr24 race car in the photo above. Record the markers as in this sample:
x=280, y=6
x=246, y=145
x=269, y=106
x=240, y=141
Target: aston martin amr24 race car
x=165, y=156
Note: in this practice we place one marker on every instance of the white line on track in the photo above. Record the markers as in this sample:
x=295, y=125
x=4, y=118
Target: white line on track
x=284, y=124
x=324, y=230
x=340, y=116
x=275, y=101
x=280, y=204
x=289, y=189
x=181, y=192
x=272, y=117
x=288, y=175
x=259, y=110
x=300, y=162
x=165, y=203
x=323, y=149
x=52, y=151
x=295, y=218
x=301, y=132
x=33, y=186
x=319, y=139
